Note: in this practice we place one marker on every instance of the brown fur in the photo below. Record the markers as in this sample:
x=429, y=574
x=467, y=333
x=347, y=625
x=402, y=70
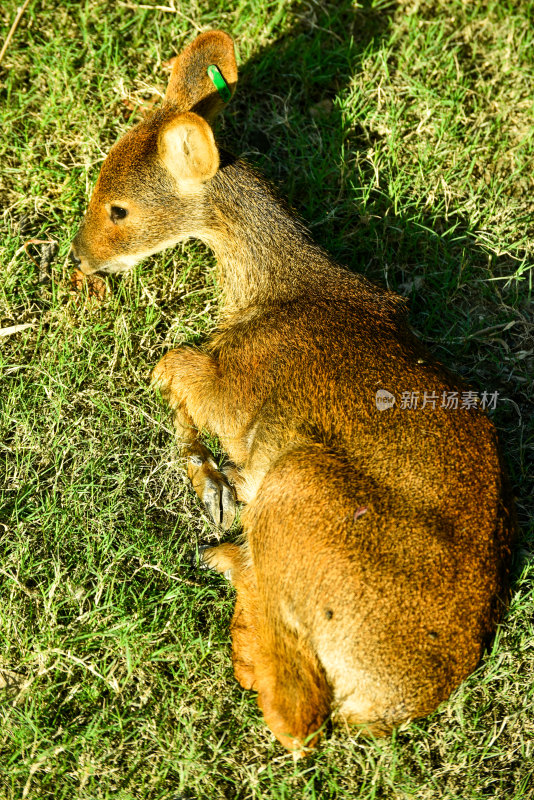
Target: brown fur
x=376, y=543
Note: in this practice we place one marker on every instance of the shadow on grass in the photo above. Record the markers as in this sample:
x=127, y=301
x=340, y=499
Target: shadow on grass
x=286, y=119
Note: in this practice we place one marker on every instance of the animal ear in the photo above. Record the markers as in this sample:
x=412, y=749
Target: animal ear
x=190, y=87
x=187, y=148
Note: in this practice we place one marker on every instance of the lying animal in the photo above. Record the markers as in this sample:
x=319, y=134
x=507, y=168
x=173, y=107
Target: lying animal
x=376, y=538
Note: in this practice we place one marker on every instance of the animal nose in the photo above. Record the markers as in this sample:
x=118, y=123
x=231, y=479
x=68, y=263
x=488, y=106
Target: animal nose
x=74, y=258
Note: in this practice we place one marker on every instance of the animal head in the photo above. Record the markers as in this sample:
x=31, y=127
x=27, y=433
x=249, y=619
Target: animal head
x=148, y=195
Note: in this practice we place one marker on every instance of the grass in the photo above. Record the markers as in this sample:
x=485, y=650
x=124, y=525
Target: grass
x=403, y=133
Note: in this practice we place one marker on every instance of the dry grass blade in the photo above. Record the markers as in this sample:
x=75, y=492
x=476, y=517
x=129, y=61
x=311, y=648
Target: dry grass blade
x=18, y=17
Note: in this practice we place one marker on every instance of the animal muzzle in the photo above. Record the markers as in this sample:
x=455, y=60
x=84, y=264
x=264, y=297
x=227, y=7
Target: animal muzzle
x=80, y=263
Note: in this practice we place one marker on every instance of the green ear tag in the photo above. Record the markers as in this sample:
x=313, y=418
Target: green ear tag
x=220, y=84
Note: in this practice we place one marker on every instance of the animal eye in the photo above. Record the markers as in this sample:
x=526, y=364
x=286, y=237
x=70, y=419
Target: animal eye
x=117, y=213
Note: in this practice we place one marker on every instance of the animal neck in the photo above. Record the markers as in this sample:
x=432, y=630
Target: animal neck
x=264, y=253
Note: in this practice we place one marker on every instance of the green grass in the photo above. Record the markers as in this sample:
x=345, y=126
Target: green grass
x=403, y=132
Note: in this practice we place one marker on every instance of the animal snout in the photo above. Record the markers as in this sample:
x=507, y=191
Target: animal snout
x=80, y=263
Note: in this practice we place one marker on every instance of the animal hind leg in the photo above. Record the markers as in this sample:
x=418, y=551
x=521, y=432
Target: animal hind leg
x=293, y=692
x=230, y=560
x=183, y=376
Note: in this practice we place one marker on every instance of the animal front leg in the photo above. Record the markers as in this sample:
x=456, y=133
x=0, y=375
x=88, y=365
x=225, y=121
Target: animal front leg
x=185, y=379
x=210, y=484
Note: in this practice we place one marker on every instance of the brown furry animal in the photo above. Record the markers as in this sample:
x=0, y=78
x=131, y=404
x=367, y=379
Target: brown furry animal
x=376, y=540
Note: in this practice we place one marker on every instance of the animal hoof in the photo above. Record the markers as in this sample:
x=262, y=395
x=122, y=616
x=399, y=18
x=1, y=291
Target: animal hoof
x=199, y=560
x=196, y=557
x=214, y=490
